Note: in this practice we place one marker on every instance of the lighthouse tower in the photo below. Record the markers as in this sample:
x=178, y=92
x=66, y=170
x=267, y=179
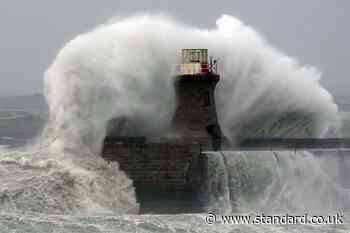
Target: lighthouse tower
x=195, y=117
x=170, y=173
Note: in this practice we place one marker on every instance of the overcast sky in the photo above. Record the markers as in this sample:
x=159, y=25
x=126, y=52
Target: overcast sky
x=31, y=32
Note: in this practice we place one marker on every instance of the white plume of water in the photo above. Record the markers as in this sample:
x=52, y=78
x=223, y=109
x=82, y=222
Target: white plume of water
x=124, y=69
x=284, y=182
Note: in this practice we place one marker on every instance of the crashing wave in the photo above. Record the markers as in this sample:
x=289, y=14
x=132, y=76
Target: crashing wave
x=123, y=68
x=35, y=183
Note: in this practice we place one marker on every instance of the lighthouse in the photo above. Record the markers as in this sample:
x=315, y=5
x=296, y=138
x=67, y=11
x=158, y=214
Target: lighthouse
x=195, y=118
x=170, y=174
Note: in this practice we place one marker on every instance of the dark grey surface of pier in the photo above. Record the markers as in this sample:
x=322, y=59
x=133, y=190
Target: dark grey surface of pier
x=266, y=144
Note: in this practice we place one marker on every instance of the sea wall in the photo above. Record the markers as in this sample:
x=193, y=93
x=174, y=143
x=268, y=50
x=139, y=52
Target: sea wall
x=168, y=177
x=169, y=167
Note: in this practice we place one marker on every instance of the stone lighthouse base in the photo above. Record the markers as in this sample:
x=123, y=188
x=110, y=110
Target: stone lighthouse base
x=169, y=177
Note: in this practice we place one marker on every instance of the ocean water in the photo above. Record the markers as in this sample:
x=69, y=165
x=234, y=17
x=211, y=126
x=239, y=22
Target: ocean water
x=146, y=224
x=40, y=195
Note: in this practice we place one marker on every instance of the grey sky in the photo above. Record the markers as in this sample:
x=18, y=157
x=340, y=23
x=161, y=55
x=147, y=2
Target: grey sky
x=314, y=31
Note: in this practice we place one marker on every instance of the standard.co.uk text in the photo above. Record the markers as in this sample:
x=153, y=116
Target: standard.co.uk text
x=284, y=219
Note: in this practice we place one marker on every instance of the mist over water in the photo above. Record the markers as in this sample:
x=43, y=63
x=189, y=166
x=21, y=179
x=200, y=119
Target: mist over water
x=125, y=69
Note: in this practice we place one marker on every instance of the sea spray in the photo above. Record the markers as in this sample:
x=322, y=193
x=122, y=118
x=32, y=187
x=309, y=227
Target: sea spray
x=33, y=182
x=280, y=182
x=130, y=61
x=217, y=197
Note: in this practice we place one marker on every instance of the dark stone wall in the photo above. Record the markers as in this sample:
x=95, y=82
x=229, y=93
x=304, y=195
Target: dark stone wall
x=165, y=165
x=163, y=173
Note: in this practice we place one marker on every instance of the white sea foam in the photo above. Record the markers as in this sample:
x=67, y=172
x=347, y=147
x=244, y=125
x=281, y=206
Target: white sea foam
x=280, y=182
